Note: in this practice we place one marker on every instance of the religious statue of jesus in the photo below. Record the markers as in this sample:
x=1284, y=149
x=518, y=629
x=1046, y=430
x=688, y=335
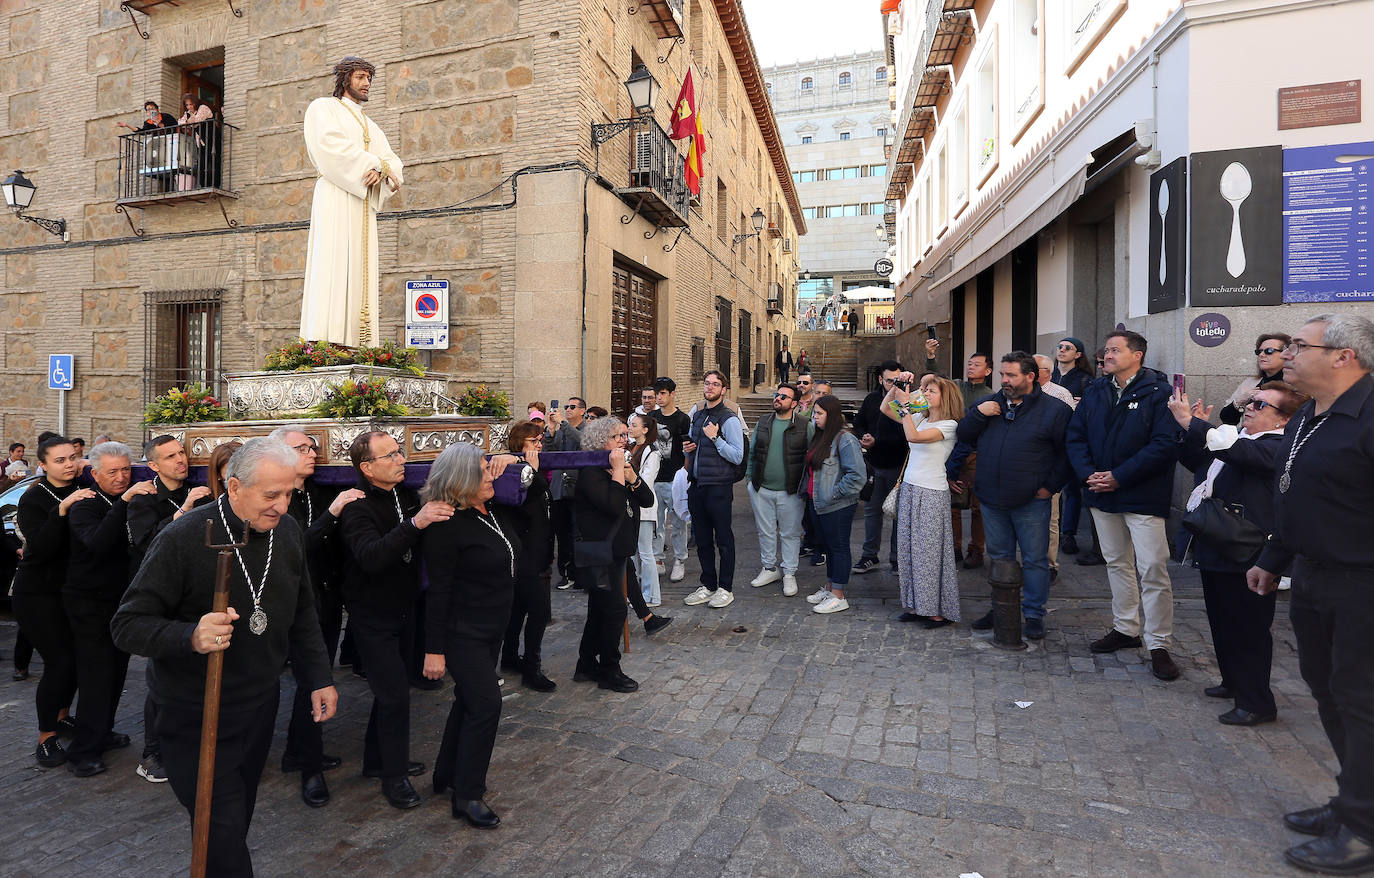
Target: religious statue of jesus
x=356, y=173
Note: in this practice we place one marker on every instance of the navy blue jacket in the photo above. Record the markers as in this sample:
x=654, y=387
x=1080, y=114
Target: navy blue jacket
x=1136, y=440
x=1016, y=458
x=1247, y=479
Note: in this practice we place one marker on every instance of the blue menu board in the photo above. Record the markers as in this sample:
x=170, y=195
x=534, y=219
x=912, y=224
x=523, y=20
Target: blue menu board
x=1326, y=223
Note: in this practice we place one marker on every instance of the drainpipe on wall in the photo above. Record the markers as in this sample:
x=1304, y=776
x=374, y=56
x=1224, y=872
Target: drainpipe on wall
x=582, y=343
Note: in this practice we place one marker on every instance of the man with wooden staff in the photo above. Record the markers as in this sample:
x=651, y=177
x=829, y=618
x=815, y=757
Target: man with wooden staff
x=166, y=616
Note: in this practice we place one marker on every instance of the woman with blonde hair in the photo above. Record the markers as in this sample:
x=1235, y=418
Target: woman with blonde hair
x=926, y=568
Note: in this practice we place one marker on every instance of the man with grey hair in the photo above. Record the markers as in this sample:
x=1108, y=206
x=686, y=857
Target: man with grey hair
x=318, y=520
x=167, y=616
x=97, y=575
x=1321, y=512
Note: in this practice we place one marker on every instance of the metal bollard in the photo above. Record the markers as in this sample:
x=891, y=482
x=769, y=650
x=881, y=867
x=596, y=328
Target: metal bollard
x=1005, y=578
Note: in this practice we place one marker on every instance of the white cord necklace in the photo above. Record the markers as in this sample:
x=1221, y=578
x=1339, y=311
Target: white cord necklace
x=257, y=622
x=44, y=486
x=1286, y=479
x=495, y=527
x=309, y=508
x=400, y=519
x=128, y=531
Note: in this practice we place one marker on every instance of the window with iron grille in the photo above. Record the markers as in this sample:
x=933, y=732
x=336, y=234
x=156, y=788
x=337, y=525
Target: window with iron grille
x=181, y=340
x=724, y=311
x=698, y=358
x=745, y=354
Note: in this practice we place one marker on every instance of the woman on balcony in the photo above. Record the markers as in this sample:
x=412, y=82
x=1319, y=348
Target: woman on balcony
x=194, y=173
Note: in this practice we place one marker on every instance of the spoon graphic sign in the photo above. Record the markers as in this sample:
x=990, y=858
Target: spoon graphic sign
x=1235, y=188
x=1163, y=237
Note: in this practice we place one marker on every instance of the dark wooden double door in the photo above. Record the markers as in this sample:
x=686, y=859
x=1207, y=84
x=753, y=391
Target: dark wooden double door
x=634, y=336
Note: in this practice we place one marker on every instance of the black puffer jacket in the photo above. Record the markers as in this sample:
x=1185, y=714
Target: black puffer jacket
x=1016, y=458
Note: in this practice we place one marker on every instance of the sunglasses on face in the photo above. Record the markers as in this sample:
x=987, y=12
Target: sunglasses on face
x=1267, y=352
x=1260, y=405
x=1067, y=347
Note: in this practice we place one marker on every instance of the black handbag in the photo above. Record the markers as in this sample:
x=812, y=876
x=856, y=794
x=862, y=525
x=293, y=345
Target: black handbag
x=1226, y=529
x=596, y=553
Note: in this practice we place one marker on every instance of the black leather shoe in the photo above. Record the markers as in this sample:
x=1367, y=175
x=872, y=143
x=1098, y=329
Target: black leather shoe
x=399, y=793
x=935, y=623
x=1240, y=717
x=66, y=726
x=1034, y=629
x=616, y=681
x=1217, y=692
x=1113, y=641
x=910, y=616
x=1320, y=820
x=290, y=764
x=1162, y=664
x=413, y=769
x=50, y=753
x=116, y=741
x=585, y=674
x=314, y=791
x=1340, y=853
x=1068, y=544
x=476, y=813
x=534, y=678
x=982, y=623
x=1091, y=559
x=86, y=767
x=656, y=623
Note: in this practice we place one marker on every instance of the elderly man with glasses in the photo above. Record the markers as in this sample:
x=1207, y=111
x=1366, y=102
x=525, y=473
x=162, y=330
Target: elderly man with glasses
x=774, y=475
x=319, y=521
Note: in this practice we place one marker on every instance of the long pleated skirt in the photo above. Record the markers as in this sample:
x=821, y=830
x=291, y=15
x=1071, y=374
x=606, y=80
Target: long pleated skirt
x=925, y=552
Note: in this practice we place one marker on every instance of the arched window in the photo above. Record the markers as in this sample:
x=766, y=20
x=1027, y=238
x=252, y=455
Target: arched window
x=880, y=75
x=806, y=83
x=845, y=78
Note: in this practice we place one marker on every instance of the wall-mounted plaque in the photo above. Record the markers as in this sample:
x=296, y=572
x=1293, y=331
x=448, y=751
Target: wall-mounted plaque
x=1325, y=103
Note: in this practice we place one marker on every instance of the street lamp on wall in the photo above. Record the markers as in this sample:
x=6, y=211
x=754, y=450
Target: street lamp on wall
x=756, y=220
x=643, y=90
x=19, y=192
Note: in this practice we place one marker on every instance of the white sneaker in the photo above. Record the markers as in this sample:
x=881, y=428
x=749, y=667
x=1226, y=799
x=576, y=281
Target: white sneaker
x=648, y=603
x=700, y=596
x=721, y=598
x=789, y=585
x=765, y=576
x=679, y=572
x=819, y=596
x=658, y=565
x=831, y=604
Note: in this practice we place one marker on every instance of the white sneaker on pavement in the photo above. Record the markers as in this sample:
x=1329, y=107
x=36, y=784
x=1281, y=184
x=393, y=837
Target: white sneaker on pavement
x=766, y=575
x=721, y=598
x=789, y=585
x=700, y=596
x=658, y=565
x=831, y=604
x=679, y=572
x=819, y=596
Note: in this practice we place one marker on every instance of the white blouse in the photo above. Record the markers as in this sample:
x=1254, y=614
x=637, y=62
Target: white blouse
x=925, y=467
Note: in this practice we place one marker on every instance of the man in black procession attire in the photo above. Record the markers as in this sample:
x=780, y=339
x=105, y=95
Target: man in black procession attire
x=148, y=514
x=97, y=575
x=166, y=616
x=319, y=521
x=380, y=534
x=1321, y=526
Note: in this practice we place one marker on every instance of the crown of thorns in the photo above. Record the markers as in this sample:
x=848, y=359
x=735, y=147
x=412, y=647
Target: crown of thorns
x=345, y=68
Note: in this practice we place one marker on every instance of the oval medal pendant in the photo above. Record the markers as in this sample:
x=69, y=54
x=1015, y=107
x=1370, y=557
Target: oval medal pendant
x=257, y=623
x=1284, y=483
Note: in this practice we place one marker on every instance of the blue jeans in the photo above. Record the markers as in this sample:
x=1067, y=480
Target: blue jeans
x=1027, y=526
x=1072, y=496
x=710, y=507
x=834, y=528
x=884, y=482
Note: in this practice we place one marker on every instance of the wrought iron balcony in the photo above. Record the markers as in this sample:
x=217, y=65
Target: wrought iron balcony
x=657, y=189
x=776, y=220
x=179, y=163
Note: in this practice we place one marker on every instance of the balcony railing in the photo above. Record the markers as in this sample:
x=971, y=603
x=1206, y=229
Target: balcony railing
x=880, y=324
x=775, y=220
x=775, y=298
x=179, y=163
x=657, y=188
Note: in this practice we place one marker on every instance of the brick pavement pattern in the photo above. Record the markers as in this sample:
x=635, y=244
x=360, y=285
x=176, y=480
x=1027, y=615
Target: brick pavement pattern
x=805, y=745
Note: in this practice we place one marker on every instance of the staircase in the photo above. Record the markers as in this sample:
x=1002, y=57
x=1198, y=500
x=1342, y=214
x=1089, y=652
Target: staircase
x=832, y=356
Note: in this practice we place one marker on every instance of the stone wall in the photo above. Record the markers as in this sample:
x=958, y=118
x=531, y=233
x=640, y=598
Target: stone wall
x=467, y=91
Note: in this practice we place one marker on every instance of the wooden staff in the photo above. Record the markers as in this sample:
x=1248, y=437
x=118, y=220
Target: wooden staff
x=209, y=722
x=625, y=596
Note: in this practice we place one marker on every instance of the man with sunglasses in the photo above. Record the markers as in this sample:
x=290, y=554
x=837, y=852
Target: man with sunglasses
x=380, y=536
x=806, y=386
x=567, y=436
x=1321, y=527
x=774, y=474
x=319, y=521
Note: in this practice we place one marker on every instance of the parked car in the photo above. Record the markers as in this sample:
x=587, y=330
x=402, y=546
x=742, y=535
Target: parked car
x=9, y=539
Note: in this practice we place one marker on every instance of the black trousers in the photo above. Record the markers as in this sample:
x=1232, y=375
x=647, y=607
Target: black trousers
x=531, y=610
x=23, y=652
x=1333, y=619
x=44, y=621
x=245, y=735
x=1240, y=621
x=599, y=649
x=561, y=513
x=710, y=506
x=100, y=672
x=378, y=639
x=304, y=736
x=634, y=593
x=470, y=733
x=151, y=745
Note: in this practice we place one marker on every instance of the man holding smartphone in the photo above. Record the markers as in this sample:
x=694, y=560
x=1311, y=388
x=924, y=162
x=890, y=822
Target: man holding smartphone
x=884, y=444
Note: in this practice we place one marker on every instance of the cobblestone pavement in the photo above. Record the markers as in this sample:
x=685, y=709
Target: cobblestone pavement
x=804, y=745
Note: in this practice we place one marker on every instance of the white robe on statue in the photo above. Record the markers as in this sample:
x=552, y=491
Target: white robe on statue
x=340, y=302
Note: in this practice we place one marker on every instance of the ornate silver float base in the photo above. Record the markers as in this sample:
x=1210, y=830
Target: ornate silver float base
x=290, y=394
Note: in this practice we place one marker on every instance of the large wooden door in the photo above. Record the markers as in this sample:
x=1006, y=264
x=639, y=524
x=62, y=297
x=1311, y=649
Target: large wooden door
x=634, y=321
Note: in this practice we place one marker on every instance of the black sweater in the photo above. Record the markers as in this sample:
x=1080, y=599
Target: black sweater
x=889, y=437
x=149, y=514
x=175, y=587
x=47, y=541
x=381, y=549
x=310, y=508
x=470, y=580
x=601, y=502
x=535, y=528
x=98, y=567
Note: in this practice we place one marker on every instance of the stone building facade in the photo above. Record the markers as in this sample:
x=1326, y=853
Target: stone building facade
x=560, y=281
x=834, y=115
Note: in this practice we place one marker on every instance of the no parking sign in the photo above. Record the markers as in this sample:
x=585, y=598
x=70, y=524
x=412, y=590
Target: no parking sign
x=427, y=314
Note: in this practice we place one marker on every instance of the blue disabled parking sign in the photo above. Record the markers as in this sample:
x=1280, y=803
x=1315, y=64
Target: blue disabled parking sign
x=60, y=372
